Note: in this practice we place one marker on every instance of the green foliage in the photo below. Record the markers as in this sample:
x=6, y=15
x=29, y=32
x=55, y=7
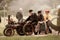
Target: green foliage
x=1, y=8
x=8, y=1
x=3, y=3
x=2, y=13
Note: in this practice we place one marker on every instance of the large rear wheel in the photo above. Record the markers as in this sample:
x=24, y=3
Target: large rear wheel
x=28, y=29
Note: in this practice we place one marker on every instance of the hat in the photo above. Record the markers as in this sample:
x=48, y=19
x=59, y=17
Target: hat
x=47, y=11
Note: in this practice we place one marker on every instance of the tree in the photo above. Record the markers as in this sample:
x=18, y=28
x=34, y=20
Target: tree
x=4, y=6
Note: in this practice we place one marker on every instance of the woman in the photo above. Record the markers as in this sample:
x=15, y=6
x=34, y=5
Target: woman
x=47, y=18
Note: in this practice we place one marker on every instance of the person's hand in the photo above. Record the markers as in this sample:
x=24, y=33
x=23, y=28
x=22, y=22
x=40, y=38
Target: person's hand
x=28, y=21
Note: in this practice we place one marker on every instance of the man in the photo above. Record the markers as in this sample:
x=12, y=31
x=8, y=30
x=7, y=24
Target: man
x=19, y=15
x=32, y=17
x=47, y=19
x=40, y=26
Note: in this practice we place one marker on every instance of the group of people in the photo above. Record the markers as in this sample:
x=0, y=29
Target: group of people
x=35, y=19
x=38, y=19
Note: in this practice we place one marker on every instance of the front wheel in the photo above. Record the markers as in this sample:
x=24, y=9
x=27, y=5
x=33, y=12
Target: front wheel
x=8, y=32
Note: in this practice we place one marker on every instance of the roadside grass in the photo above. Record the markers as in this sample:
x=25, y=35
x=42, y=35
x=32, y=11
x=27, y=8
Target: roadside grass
x=31, y=38
x=1, y=29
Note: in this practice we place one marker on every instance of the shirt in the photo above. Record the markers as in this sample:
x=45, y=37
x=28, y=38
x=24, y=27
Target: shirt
x=47, y=17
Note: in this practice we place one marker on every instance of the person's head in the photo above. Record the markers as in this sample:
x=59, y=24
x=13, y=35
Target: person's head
x=30, y=12
x=39, y=12
x=20, y=10
x=47, y=12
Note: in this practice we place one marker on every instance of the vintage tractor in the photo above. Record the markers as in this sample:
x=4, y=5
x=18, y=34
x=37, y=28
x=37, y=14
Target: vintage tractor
x=12, y=26
x=22, y=28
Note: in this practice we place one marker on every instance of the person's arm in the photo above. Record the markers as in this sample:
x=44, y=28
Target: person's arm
x=44, y=17
x=27, y=19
